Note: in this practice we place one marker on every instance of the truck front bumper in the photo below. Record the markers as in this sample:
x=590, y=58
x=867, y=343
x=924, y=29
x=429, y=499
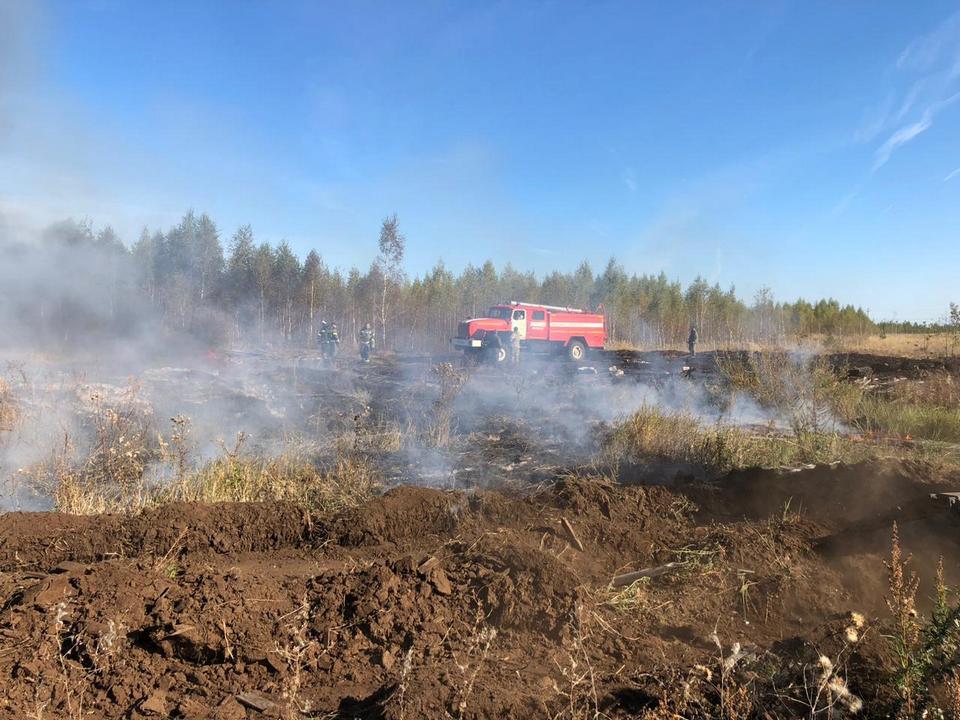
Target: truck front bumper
x=465, y=343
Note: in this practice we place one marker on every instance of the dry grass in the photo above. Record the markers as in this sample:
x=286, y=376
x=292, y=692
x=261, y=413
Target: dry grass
x=941, y=389
x=880, y=416
x=348, y=481
x=928, y=409
x=914, y=345
x=651, y=434
x=127, y=468
x=9, y=408
x=830, y=415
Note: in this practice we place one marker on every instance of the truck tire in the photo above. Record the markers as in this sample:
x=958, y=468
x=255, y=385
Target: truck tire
x=500, y=355
x=576, y=351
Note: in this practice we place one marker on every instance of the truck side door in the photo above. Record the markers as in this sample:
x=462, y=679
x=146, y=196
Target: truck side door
x=520, y=323
x=537, y=325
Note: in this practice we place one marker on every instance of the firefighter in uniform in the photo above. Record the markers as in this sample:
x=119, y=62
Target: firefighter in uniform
x=328, y=339
x=333, y=341
x=515, y=346
x=366, y=342
x=323, y=336
x=692, y=340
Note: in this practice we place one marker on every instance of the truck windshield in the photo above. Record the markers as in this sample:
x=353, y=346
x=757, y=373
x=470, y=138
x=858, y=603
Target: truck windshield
x=500, y=313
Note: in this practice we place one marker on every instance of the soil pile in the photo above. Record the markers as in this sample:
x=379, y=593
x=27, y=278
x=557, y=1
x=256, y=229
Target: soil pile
x=435, y=604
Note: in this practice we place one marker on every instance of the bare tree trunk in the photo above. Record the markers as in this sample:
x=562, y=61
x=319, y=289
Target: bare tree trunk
x=383, y=314
x=261, y=315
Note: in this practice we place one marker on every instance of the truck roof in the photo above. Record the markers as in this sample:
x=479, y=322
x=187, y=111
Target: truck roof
x=514, y=303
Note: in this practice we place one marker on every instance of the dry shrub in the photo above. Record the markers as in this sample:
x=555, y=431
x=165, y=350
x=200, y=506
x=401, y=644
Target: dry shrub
x=373, y=435
x=807, y=392
x=441, y=424
x=109, y=475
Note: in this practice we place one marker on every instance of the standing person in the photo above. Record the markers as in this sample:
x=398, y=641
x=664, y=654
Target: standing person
x=366, y=342
x=515, y=347
x=323, y=338
x=334, y=340
x=692, y=339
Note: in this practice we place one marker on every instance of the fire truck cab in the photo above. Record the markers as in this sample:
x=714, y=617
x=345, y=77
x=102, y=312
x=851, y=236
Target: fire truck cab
x=542, y=328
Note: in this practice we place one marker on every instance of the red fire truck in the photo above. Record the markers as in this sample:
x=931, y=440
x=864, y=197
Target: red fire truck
x=542, y=328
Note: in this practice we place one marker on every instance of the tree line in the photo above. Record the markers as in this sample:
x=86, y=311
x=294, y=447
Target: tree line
x=239, y=291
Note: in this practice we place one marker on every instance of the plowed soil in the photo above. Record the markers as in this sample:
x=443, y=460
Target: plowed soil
x=433, y=604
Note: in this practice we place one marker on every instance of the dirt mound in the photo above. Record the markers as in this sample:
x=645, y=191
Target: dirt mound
x=838, y=495
x=851, y=510
x=42, y=540
x=403, y=515
x=434, y=604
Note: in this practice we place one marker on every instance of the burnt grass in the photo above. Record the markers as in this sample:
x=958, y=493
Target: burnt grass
x=479, y=584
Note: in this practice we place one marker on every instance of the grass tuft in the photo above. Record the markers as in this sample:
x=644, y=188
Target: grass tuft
x=349, y=481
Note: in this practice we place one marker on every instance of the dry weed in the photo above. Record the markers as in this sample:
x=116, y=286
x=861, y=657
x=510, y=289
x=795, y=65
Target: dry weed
x=294, y=651
x=926, y=650
x=109, y=475
x=470, y=666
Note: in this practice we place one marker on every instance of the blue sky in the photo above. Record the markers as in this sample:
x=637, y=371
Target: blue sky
x=809, y=146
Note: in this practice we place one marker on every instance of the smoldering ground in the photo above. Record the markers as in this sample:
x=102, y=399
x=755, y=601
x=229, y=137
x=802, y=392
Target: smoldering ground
x=86, y=361
x=425, y=420
x=80, y=341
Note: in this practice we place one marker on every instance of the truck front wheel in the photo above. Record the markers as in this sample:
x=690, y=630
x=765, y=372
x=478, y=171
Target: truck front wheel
x=576, y=351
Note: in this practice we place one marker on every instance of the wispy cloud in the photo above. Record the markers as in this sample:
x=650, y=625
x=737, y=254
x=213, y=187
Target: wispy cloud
x=900, y=137
x=931, y=66
x=952, y=175
x=629, y=178
x=908, y=132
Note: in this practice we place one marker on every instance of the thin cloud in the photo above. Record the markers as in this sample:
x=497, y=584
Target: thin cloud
x=952, y=175
x=900, y=137
x=925, y=51
x=629, y=178
x=907, y=133
x=931, y=66
x=910, y=100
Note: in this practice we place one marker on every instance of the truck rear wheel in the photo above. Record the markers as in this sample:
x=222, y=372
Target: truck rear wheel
x=576, y=351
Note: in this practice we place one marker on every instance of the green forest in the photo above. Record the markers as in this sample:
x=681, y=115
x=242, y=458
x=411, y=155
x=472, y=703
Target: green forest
x=239, y=291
